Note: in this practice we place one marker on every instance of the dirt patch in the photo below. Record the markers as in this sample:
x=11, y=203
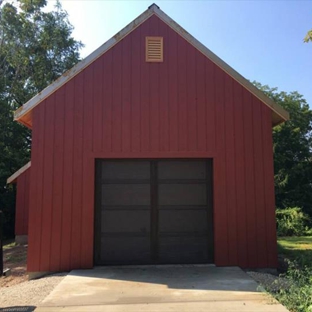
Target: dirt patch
x=14, y=258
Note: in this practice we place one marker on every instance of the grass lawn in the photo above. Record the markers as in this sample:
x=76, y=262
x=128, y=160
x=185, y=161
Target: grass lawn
x=296, y=248
x=8, y=244
x=297, y=295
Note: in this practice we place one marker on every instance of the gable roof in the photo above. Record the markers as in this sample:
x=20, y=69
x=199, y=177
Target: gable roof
x=24, y=113
x=16, y=174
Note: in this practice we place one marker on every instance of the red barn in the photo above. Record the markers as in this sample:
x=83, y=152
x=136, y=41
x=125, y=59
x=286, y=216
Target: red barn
x=151, y=150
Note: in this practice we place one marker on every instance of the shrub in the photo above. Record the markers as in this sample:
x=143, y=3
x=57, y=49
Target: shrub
x=291, y=222
x=297, y=296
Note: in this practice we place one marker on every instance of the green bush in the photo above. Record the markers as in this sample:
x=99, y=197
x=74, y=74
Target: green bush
x=292, y=222
x=297, y=295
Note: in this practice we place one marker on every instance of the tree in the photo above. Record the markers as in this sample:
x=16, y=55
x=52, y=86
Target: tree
x=292, y=151
x=36, y=47
x=308, y=36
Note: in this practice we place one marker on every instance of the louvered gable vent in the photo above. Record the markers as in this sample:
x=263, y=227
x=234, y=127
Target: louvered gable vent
x=154, y=49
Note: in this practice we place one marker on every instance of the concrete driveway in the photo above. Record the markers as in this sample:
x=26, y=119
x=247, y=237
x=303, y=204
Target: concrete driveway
x=159, y=288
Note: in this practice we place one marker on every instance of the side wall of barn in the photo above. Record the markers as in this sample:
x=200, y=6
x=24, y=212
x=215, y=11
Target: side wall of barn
x=122, y=107
x=22, y=206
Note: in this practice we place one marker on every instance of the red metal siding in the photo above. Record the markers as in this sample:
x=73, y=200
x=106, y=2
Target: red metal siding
x=22, y=203
x=123, y=107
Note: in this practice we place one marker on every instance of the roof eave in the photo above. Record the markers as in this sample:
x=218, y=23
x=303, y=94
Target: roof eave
x=280, y=111
x=15, y=175
x=41, y=96
x=278, y=119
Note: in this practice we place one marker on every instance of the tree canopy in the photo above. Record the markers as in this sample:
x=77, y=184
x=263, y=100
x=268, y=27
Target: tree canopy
x=36, y=47
x=292, y=151
x=308, y=36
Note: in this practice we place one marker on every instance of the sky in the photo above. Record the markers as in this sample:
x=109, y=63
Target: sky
x=262, y=40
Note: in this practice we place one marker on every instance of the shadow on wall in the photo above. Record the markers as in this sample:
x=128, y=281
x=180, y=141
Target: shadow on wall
x=18, y=309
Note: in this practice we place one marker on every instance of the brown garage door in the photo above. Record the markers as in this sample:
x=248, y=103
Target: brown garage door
x=156, y=211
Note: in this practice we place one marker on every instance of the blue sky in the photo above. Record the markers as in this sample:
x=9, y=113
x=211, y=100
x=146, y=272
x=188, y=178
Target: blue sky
x=262, y=40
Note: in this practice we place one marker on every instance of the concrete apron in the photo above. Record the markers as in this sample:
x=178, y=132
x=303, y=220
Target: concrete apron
x=159, y=288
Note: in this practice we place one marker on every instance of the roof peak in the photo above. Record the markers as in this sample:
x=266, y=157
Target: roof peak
x=24, y=113
x=154, y=5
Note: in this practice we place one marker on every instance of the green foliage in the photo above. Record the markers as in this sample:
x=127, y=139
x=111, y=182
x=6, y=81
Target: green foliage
x=292, y=151
x=308, y=36
x=36, y=47
x=9, y=244
x=294, y=289
x=291, y=221
x=309, y=232
x=30, y=6
x=297, y=296
x=296, y=248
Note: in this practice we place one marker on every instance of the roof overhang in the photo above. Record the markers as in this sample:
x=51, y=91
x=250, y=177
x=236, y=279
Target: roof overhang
x=15, y=175
x=24, y=113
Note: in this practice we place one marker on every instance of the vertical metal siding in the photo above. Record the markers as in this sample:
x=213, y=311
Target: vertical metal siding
x=240, y=190
x=22, y=203
x=122, y=107
x=58, y=169
x=66, y=181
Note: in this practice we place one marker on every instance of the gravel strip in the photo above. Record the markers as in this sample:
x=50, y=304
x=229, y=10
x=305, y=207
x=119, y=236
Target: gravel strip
x=29, y=293
x=270, y=282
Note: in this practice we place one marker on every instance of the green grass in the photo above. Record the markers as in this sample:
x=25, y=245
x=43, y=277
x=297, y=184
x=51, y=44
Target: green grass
x=296, y=248
x=9, y=244
x=15, y=258
x=297, y=295
x=13, y=253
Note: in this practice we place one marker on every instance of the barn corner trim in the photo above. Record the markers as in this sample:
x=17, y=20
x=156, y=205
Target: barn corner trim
x=24, y=114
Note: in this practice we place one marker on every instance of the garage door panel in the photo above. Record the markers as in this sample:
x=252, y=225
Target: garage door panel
x=182, y=194
x=181, y=207
x=183, y=249
x=125, y=250
x=119, y=221
x=182, y=221
x=183, y=169
x=153, y=211
x=125, y=170
x=126, y=194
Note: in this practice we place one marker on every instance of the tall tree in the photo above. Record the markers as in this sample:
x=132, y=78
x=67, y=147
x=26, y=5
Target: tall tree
x=36, y=47
x=308, y=36
x=292, y=151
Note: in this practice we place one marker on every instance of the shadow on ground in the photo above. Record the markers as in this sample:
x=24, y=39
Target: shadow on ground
x=174, y=277
x=158, y=288
x=18, y=309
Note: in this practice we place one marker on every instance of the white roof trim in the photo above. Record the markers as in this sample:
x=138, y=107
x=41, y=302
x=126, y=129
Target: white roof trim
x=153, y=9
x=37, y=99
x=224, y=66
x=16, y=174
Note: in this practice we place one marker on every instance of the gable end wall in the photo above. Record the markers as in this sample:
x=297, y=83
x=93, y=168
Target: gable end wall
x=122, y=107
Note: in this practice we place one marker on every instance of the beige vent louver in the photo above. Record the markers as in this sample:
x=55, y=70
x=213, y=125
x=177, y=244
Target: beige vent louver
x=154, y=49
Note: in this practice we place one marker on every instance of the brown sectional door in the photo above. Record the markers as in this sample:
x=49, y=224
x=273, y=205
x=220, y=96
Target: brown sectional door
x=153, y=211
x=183, y=222
x=125, y=204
